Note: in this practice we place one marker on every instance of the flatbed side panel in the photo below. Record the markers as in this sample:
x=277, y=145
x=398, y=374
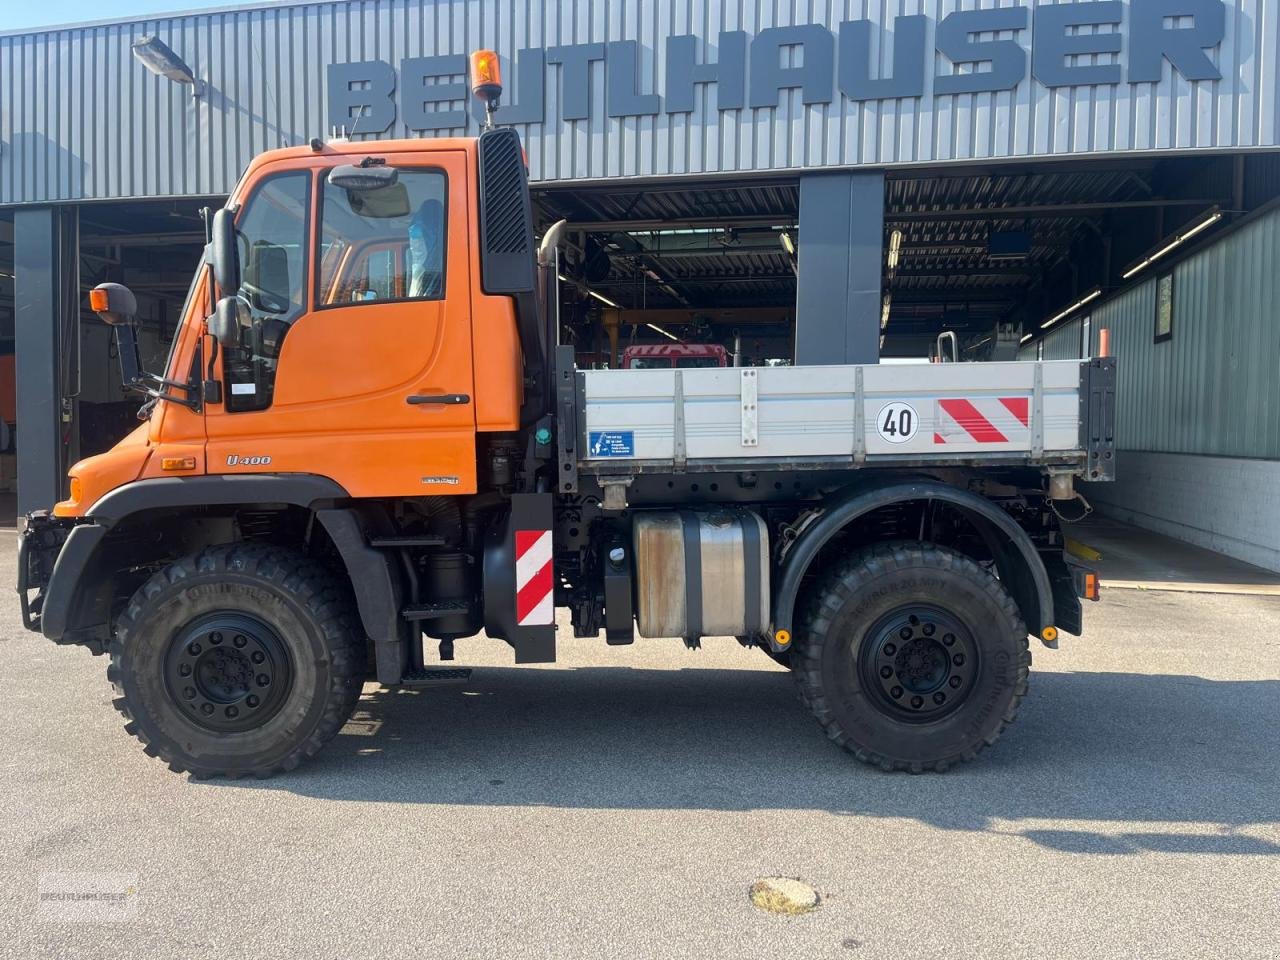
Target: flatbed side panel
x=941, y=410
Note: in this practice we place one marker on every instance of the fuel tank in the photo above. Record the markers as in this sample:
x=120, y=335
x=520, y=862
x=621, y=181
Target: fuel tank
x=701, y=573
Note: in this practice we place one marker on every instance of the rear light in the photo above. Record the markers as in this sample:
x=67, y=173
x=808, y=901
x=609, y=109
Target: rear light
x=1092, y=587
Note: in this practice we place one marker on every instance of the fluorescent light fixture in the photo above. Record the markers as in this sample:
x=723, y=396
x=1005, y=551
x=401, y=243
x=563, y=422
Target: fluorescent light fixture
x=895, y=249
x=1026, y=338
x=156, y=55
x=666, y=333
x=884, y=311
x=788, y=243
x=589, y=292
x=1180, y=237
x=1092, y=295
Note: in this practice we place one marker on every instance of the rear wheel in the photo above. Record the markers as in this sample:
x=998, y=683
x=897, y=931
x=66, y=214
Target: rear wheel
x=911, y=656
x=239, y=660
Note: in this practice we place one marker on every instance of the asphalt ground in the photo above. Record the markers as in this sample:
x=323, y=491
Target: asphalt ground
x=620, y=803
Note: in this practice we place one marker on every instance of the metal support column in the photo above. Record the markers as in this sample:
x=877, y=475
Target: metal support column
x=840, y=255
x=46, y=314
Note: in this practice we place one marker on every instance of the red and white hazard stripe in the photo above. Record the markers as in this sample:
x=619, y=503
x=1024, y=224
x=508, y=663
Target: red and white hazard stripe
x=534, y=583
x=985, y=420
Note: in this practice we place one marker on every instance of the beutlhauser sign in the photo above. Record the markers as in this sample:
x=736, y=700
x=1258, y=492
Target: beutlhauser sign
x=1100, y=42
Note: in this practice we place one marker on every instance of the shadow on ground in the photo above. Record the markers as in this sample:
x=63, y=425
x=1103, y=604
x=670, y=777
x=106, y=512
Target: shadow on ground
x=1130, y=749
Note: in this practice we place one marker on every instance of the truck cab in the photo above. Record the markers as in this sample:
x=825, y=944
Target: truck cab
x=367, y=440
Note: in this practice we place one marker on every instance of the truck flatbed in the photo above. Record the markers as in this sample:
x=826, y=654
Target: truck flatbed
x=1045, y=413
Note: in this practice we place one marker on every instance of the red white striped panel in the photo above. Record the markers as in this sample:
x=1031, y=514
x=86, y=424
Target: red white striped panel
x=986, y=420
x=535, y=603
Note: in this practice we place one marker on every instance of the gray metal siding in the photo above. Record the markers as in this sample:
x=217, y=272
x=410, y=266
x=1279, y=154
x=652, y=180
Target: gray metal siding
x=1063, y=342
x=1214, y=387
x=79, y=118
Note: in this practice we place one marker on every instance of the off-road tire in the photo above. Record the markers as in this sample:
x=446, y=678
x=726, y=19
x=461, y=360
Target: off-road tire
x=313, y=617
x=837, y=617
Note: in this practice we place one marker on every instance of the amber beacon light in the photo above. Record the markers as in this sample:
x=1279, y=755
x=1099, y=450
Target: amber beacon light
x=486, y=80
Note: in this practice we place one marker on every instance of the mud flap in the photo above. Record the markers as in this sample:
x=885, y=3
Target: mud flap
x=519, y=579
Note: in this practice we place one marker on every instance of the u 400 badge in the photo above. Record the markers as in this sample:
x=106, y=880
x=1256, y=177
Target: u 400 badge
x=235, y=461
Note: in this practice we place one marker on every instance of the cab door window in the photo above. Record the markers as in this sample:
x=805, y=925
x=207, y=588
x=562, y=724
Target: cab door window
x=272, y=236
x=385, y=244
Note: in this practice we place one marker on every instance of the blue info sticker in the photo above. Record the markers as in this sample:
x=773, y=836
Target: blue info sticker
x=611, y=443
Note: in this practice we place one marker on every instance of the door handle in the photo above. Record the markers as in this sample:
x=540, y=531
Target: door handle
x=452, y=399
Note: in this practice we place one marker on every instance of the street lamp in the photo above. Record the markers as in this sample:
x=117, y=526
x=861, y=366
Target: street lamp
x=156, y=55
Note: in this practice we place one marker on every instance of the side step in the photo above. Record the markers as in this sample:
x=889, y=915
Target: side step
x=434, y=611
x=424, y=676
x=427, y=540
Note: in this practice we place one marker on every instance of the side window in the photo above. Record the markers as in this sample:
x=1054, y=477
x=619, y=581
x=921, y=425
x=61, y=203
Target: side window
x=272, y=237
x=384, y=244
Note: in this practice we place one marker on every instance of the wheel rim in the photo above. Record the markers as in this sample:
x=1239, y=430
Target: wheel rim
x=919, y=663
x=228, y=672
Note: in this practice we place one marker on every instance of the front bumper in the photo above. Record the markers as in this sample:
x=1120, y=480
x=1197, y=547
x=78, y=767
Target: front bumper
x=38, y=550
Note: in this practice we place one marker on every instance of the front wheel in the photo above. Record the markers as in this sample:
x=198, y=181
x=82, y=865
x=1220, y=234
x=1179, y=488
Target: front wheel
x=911, y=656
x=240, y=660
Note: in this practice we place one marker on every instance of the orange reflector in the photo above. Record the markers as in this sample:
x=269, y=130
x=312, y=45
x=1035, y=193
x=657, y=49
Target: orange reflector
x=178, y=463
x=99, y=301
x=1049, y=634
x=782, y=637
x=485, y=71
x=1092, y=588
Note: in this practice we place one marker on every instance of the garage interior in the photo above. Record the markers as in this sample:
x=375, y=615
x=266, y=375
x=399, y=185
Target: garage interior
x=991, y=254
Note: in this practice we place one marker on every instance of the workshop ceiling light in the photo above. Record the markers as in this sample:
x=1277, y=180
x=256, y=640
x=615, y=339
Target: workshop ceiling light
x=666, y=333
x=156, y=55
x=895, y=249
x=788, y=243
x=1092, y=295
x=1178, y=238
x=1026, y=338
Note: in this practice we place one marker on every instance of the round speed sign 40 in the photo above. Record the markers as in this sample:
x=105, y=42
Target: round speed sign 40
x=897, y=422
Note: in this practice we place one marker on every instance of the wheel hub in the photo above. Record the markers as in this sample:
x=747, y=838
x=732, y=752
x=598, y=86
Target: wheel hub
x=228, y=672
x=920, y=662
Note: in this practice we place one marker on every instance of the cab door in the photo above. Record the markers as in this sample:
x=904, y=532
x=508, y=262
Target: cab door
x=356, y=363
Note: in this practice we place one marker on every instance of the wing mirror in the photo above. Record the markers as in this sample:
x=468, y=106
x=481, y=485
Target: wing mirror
x=230, y=317
x=225, y=253
x=114, y=303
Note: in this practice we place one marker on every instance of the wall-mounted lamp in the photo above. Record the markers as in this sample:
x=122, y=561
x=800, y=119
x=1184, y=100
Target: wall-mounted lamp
x=1182, y=236
x=156, y=55
x=1092, y=295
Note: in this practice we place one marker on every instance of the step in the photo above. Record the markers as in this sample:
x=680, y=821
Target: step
x=424, y=676
x=426, y=540
x=436, y=610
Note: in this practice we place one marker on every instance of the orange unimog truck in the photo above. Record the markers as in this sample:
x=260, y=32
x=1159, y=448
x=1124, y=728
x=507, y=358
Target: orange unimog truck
x=366, y=436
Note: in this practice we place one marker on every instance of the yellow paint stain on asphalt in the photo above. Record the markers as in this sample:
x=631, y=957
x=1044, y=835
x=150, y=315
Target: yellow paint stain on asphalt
x=786, y=896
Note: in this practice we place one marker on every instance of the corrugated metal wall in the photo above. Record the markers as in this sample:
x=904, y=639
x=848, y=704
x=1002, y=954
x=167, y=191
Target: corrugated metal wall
x=1214, y=386
x=80, y=119
x=1063, y=342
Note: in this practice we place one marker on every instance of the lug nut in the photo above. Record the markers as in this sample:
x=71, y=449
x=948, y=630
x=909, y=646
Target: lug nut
x=958, y=659
x=206, y=708
x=195, y=649
x=258, y=656
x=890, y=649
x=232, y=712
x=184, y=670
x=954, y=682
x=896, y=692
x=252, y=701
x=264, y=680
x=939, y=697
x=928, y=629
x=905, y=633
x=917, y=702
x=948, y=639
x=239, y=641
x=188, y=693
x=886, y=672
